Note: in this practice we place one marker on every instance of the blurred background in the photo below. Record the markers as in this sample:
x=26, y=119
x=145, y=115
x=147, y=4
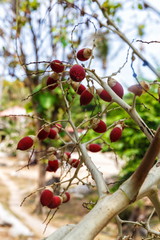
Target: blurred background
x=34, y=32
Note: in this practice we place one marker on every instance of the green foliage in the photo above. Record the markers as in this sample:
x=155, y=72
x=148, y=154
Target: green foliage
x=111, y=7
x=61, y=36
x=10, y=92
x=47, y=102
x=140, y=6
x=70, y=1
x=140, y=29
x=29, y=5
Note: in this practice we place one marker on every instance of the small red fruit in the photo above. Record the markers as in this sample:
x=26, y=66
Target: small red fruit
x=74, y=162
x=46, y=197
x=86, y=97
x=103, y=94
x=84, y=54
x=66, y=197
x=52, y=80
x=116, y=87
x=26, y=143
x=136, y=89
x=79, y=88
x=116, y=133
x=98, y=125
x=139, y=89
x=57, y=66
x=94, y=147
x=66, y=155
x=43, y=133
x=52, y=133
x=77, y=73
x=55, y=202
x=53, y=165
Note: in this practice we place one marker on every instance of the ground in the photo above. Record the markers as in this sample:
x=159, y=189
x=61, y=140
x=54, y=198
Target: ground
x=16, y=185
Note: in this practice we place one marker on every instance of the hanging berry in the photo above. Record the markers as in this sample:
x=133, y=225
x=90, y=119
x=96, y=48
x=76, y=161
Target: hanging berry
x=77, y=73
x=57, y=66
x=98, y=125
x=116, y=133
x=26, y=143
x=84, y=54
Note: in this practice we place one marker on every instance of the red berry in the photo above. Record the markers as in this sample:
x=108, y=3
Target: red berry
x=67, y=155
x=52, y=133
x=116, y=87
x=136, y=89
x=77, y=73
x=86, y=97
x=43, y=133
x=57, y=66
x=79, y=88
x=94, y=147
x=99, y=126
x=53, y=165
x=74, y=162
x=55, y=202
x=84, y=54
x=46, y=197
x=26, y=143
x=66, y=197
x=116, y=133
x=104, y=94
x=52, y=80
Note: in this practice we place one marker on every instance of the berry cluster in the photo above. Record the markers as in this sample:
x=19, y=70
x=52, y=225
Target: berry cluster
x=45, y=132
x=52, y=201
x=77, y=73
x=56, y=158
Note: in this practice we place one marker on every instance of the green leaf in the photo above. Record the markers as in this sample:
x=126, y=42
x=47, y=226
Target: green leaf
x=29, y=107
x=64, y=41
x=141, y=29
x=46, y=100
x=37, y=88
x=140, y=6
x=70, y=1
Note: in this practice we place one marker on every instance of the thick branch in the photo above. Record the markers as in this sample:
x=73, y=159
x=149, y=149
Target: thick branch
x=155, y=201
x=61, y=232
x=99, y=217
x=150, y=183
x=132, y=185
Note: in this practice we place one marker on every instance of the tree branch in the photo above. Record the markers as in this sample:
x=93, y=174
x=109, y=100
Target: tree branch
x=155, y=201
x=132, y=185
